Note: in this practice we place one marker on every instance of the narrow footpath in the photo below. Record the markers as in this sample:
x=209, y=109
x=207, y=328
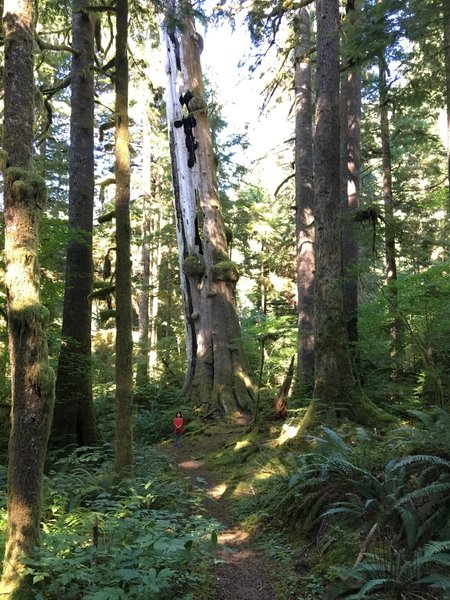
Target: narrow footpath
x=243, y=572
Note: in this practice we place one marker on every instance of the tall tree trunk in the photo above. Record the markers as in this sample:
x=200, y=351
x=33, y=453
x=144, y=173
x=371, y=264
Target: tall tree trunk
x=32, y=380
x=333, y=378
x=304, y=194
x=218, y=374
x=155, y=265
x=142, y=369
x=446, y=26
x=124, y=342
x=350, y=177
x=74, y=419
x=388, y=200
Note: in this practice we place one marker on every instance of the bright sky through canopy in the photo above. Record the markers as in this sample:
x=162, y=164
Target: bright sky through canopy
x=241, y=94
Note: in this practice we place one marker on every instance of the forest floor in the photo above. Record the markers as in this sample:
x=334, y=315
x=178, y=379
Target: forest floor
x=243, y=571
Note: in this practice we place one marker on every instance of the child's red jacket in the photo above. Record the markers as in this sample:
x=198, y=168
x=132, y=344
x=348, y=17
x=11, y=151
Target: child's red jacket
x=178, y=423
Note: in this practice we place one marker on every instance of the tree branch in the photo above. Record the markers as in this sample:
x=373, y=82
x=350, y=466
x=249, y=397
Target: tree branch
x=56, y=47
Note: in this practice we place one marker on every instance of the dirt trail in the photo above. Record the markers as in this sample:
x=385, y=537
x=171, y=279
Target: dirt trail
x=244, y=573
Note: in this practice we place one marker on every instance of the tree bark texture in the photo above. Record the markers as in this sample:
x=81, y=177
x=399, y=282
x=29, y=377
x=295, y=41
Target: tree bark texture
x=304, y=194
x=142, y=369
x=124, y=342
x=350, y=176
x=388, y=201
x=446, y=27
x=143, y=356
x=32, y=380
x=74, y=419
x=333, y=378
x=218, y=374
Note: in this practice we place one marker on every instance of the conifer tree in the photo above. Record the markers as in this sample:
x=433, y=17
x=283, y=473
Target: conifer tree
x=32, y=380
x=74, y=420
x=124, y=341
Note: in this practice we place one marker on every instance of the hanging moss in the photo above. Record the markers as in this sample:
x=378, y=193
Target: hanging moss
x=27, y=185
x=229, y=234
x=194, y=266
x=225, y=270
x=103, y=293
x=33, y=315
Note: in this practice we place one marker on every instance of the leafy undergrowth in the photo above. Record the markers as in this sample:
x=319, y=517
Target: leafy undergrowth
x=346, y=514
x=349, y=513
x=144, y=538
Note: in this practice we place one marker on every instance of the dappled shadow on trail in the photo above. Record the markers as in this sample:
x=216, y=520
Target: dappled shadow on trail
x=242, y=571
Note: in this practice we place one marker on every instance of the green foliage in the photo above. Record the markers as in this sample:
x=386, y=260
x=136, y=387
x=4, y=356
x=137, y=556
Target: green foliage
x=270, y=342
x=137, y=539
x=392, y=574
x=397, y=506
x=422, y=363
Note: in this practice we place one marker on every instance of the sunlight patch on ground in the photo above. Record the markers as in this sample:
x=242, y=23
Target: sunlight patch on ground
x=191, y=464
x=241, y=444
x=233, y=536
x=287, y=433
x=218, y=491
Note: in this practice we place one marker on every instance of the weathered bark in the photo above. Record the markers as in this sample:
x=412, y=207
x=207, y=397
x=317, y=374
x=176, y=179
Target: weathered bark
x=124, y=342
x=388, y=200
x=143, y=344
x=217, y=371
x=446, y=27
x=32, y=380
x=350, y=176
x=304, y=194
x=335, y=392
x=74, y=421
x=157, y=223
x=333, y=377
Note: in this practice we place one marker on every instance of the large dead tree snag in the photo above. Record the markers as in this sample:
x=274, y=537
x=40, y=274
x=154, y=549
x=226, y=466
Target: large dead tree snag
x=217, y=373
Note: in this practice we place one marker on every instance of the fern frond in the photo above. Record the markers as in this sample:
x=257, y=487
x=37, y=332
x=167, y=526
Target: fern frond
x=409, y=520
x=437, y=546
x=423, y=458
x=432, y=492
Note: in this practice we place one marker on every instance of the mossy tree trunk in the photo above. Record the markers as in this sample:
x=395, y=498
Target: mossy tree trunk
x=218, y=374
x=74, y=420
x=32, y=380
x=333, y=377
x=350, y=174
x=304, y=193
x=335, y=394
x=124, y=341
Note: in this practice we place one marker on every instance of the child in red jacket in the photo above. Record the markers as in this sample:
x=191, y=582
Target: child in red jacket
x=178, y=428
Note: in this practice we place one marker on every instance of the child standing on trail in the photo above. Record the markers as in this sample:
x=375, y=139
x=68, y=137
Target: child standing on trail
x=178, y=429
